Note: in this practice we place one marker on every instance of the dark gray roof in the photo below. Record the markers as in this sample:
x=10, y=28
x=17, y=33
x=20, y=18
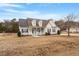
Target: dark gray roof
x=23, y=22
x=45, y=22
x=28, y=22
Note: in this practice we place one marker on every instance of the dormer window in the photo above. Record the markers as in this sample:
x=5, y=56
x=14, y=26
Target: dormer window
x=40, y=23
x=53, y=29
x=33, y=22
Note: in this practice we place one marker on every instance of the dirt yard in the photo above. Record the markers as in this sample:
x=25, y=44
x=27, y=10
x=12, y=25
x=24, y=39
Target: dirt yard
x=53, y=45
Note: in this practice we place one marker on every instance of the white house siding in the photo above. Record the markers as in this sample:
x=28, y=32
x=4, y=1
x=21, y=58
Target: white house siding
x=25, y=33
x=51, y=25
x=53, y=30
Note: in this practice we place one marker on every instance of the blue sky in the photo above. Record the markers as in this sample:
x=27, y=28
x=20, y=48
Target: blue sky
x=37, y=10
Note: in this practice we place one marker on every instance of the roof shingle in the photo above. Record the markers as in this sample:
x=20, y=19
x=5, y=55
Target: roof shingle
x=28, y=22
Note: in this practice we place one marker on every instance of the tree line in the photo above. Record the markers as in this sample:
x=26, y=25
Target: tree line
x=9, y=26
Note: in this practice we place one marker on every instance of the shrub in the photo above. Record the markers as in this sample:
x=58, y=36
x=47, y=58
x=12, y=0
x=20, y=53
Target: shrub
x=19, y=34
x=58, y=32
x=47, y=33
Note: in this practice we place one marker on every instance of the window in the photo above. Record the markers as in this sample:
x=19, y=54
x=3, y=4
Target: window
x=34, y=22
x=24, y=30
x=53, y=29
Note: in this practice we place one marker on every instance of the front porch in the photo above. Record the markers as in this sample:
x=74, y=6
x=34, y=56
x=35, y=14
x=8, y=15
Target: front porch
x=37, y=31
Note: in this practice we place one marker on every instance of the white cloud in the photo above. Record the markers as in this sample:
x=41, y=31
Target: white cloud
x=20, y=12
x=9, y=5
x=11, y=10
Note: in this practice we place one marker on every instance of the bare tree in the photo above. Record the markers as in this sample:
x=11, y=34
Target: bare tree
x=69, y=22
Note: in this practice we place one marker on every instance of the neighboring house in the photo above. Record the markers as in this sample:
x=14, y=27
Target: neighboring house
x=74, y=29
x=32, y=26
